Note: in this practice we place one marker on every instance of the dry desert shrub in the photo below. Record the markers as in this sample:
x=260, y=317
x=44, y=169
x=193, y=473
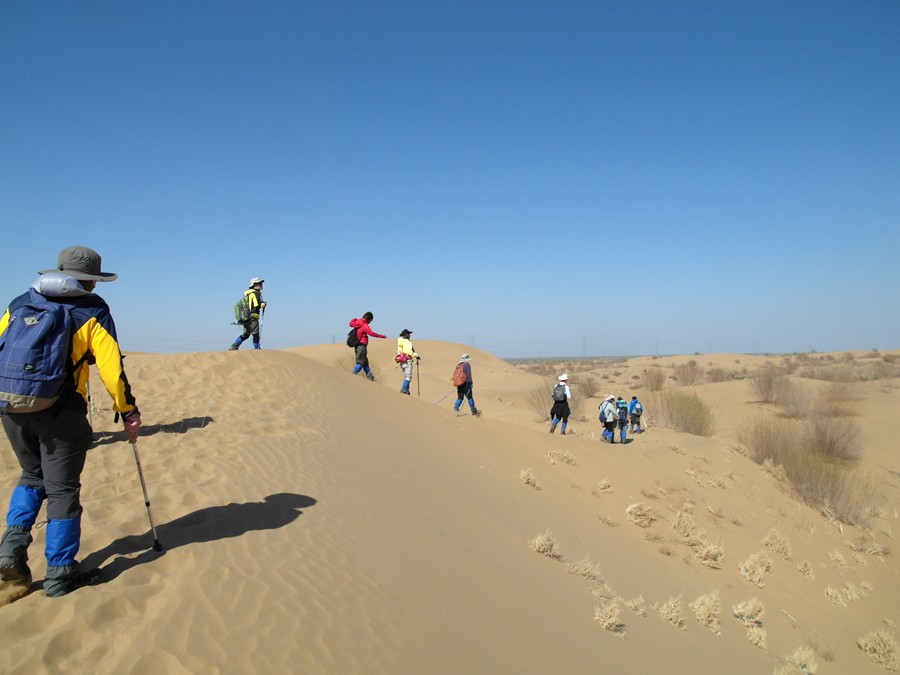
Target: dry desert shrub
x=640, y=514
x=837, y=400
x=803, y=659
x=688, y=373
x=673, y=611
x=717, y=375
x=637, y=605
x=563, y=456
x=602, y=487
x=654, y=379
x=607, y=615
x=710, y=555
x=527, y=477
x=586, y=568
x=540, y=401
x=835, y=596
x=879, y=646
x=707, y=609
x=606, y=519
x=754, y=568
x=835, y=438
x=837, y=559
x=790, y=451
x=768, y=385
x=806, y=570
x=681, y=410
x=684, y=525
x=756, y=636
x=749, y=612
x=546, y=544
x=778, y=544
x=795, y=401
x=588, y=385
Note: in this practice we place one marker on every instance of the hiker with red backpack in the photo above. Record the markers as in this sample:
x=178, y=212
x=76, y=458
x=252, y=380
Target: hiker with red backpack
x=462, y=380
x=405, y=357
x=359, y=340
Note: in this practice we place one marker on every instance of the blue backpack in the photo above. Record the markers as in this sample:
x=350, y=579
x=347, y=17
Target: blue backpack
x=34, y=354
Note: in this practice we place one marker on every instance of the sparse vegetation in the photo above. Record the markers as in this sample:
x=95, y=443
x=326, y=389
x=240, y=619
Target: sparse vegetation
x=681, y=410
x=749, y=612
x=815, y=459
x=607, y=615
x=654, y=379
x=540, y=401
x=768, y=385
x=778, y=544
x=673, y=611
x=706, y=610
x=586, y=568
x=640, y=514
x=546, y=544
x=688, y=373
x=879, y=646
x=527, y=477
x=754, y=568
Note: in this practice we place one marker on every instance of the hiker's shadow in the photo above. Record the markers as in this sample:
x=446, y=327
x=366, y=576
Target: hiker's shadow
x=180, y=427
x=209, y=524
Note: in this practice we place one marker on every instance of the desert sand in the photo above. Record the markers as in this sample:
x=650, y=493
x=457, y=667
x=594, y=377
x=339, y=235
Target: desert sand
x=315, y=522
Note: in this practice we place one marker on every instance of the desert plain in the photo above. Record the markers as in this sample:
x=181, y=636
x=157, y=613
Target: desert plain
x=315, y=522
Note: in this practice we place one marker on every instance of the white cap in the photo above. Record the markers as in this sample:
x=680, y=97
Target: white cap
x=256, y=280
x=563, y=377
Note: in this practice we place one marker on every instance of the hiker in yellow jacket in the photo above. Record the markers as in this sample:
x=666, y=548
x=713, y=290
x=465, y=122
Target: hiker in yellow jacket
x=257, y=307
x=405, y=357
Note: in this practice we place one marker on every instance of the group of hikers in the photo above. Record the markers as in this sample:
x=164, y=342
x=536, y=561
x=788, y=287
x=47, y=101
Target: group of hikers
x=615, y=412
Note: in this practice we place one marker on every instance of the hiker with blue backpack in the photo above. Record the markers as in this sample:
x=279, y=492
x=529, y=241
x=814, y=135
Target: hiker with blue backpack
x=622, y=421
x=249, y=311
x=48, y=338
x=560, y=411
x=635, y=410
x=609, y=415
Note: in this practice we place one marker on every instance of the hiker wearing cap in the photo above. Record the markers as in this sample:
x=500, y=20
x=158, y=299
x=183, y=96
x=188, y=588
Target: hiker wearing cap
x=363, y=333
x=462, y=378
x=47, y=427
x=635, y=410
x=256, y=307
x=622, y=420
x=405, y=357
x=609, y=415
x=560, y=410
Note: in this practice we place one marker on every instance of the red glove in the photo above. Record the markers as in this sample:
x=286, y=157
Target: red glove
x=132, y=422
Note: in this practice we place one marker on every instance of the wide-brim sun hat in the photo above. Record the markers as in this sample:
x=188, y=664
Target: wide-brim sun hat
x=464, y=358
x=81, y=263
x=563, y=377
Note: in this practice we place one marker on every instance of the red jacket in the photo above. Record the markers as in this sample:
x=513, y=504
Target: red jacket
x=363, y=331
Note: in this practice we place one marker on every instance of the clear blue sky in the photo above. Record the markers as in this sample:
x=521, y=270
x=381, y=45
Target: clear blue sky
x=534, y=178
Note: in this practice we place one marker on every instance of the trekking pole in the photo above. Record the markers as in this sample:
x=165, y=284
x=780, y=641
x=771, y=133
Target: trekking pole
x=137, y=458
x=418, y=388
x=444, y=396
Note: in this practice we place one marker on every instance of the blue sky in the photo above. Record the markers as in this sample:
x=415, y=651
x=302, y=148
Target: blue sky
x=533, y=178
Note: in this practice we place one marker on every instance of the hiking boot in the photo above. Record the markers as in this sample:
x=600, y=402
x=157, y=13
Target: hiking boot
x=476, y=412
x=456, y=408
x=233, y=347
x=552, y=428
x=63, y=580
x=370, y=377
x=562, y=432
x=15, y=570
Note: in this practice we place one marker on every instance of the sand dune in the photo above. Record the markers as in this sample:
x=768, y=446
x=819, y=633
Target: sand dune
x=315, y=522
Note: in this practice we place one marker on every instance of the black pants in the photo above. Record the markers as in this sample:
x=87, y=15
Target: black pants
x=51, y=447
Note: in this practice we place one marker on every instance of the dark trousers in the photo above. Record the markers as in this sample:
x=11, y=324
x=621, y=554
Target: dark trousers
x=51, y=447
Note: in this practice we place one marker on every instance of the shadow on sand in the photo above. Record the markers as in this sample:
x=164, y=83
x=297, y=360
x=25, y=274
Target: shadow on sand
x=180, y=427
x=209, y=524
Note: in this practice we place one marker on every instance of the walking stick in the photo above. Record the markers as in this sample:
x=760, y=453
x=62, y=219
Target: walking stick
x=444, y=396
x=418, y=388
x=137, y=458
